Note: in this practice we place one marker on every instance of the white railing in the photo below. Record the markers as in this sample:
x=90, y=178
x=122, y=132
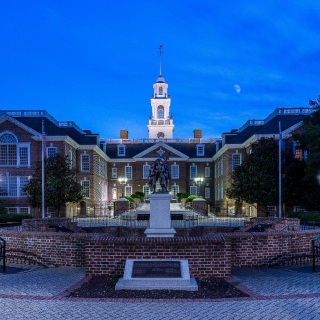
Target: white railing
x=182, y=140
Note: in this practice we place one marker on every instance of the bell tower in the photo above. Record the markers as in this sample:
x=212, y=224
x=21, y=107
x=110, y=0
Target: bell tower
x=160, y=122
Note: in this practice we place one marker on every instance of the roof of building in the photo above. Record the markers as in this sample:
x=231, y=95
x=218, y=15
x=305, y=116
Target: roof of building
x=77, y=136
x=160, y=79
x=244, y=135
x=189, y=149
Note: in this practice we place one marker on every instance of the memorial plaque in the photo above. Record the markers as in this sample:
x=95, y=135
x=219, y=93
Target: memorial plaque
x=156, y=269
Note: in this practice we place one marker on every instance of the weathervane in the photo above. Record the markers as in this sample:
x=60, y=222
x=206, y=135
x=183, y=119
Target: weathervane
x=160, y=53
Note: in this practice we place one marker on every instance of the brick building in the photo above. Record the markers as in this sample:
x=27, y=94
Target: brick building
x=101, y=162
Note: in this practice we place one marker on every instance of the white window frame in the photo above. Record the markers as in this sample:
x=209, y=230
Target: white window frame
x=87, y=181
x=114, y=173
x=127, y=193
x=85, y=155
x=146, y=169
x=177, y=171
x=207, y=193
x=121, y=150
x=234, y=165
x=18, y=146
x=199, y=148
x=196, y=172
x=207, y=172
x=194, y=188
x=128, y=173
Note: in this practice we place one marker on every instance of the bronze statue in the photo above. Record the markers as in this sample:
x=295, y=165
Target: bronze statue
x=159, y=171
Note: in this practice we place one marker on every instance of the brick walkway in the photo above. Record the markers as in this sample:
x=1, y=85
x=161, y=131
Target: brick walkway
x=33, y=292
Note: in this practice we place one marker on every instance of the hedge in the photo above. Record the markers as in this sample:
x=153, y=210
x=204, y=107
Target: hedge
x=306, y=216
x=185, y=195
x=129, y=198
x=191, y=198
x=141, y=194
x=14, y=217
x=135, y=196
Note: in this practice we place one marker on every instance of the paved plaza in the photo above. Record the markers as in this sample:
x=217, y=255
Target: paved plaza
x=35, y=292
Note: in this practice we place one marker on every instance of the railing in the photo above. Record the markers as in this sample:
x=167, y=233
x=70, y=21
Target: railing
x=290, y=227
x=309, y=225
x=3, y=253
x=315, y=251
x=178, y=140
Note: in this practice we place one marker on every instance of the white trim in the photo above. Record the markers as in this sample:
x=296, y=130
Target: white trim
x=198, y=159
x=200, y=145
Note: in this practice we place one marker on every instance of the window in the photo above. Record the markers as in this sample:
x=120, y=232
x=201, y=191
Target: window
x=114, y=173
x=85, y=188
x=24, y=156
x=271, y=211
x=174, y=171
x=85, y=162
x=12, y=186
x=128, y=172
x=128, y=190
x=24, y=210
x=50, y=212
x=216, y=192
x=146, y=191
x=8, y=138
x=146, y=169
x=160, y=112
x=207, y=193
x=221, y=192
x=70, y=158
x=219, y=169
x=114, y=193
x=216, y=169
x=105, y=170
x=8, y=155
x=193, y=190
x=207, y=172
x=174, y=190
x=13, y=210
x=250, y=209
x=221, y=166
x=121, y=150
x=298, y=209
x=51, y=152
x=200, y=150
x=193, y=172
x=160, y=90
x=236, y=160
x=99, y=167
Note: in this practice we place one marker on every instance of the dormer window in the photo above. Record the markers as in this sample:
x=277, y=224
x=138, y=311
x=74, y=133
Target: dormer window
x=200, y=149
x=160, y=90
x=160, y=112
x=121, y=150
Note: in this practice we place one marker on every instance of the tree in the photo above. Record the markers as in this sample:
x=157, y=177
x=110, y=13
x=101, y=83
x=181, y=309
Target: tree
x=60, y=187
x=3, y=209
x=310, y=141
x=256, y=180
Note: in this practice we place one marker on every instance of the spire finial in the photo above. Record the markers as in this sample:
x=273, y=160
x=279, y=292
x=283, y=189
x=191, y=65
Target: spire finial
x=160, y=53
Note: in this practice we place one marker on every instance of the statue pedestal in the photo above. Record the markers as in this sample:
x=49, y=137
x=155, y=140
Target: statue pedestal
x=160, y=221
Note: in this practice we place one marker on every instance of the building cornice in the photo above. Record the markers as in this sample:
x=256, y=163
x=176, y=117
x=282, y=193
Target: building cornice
x=199, y=160
x=122, y=160
x=96, y=149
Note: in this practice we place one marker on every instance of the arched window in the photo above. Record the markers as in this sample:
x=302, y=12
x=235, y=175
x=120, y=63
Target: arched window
x=160, y=112
x=8, y=138
x=160, y=90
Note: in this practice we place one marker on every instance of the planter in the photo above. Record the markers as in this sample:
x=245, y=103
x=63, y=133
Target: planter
x=184, y=201
x=137, y=202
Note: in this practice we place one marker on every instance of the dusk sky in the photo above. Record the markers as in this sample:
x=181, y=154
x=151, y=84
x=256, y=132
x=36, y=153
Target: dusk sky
x=95, y=62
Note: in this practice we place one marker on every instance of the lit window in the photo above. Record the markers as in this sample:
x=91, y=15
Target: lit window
x=114, y=173
x=51, y=152
x=128, y=172
x=207, y=193
x=207, y=172
x=236, y=160
x=174, y=190
x=114, y=193
x=85, y=188
x=128, y=190
x=200, y=150
x=174, y=171
x=193, y=172
x=121, y=150
x=193, y=190
x=85, y=162
x=146, y=169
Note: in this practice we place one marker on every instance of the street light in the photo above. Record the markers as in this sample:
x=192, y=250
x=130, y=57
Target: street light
x=198, y=181
x=122, y=181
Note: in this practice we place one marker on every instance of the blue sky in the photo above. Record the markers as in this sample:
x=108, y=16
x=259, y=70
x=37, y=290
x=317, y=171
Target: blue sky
x=95, y=62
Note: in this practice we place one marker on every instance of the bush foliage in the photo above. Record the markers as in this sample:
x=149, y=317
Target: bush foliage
x=135, y=196
x=14, y=217
x=306, y=216
x=191, y=198
x=141, y=194
x=3, y=209
x=185, y=195
x=129, y=198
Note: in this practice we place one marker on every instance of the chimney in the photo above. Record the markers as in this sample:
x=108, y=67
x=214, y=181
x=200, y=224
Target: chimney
x=123, y=134
x=197, y=133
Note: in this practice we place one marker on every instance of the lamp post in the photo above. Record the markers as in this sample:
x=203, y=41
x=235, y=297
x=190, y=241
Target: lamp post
x=122, y=181
x=198, y=181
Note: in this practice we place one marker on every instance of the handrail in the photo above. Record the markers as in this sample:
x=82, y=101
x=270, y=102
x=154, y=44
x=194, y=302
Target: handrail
x=3, y=253
x=287, y=226
x=315, y=251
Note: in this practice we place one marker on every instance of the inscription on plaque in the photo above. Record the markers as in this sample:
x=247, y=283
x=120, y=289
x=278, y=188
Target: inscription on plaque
x=156, y=269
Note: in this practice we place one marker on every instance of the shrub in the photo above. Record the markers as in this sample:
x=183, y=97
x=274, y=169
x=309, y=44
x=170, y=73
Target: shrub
x=141, y=194
x=135, y=196
x=191, y=198
x=306, y=216
x=14, y=217
x=179, y=194
x=185, y=195
x=129, y=198
x=3, y=209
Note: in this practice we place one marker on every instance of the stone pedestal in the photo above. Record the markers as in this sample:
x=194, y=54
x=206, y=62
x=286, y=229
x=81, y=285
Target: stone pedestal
x=160, y=221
